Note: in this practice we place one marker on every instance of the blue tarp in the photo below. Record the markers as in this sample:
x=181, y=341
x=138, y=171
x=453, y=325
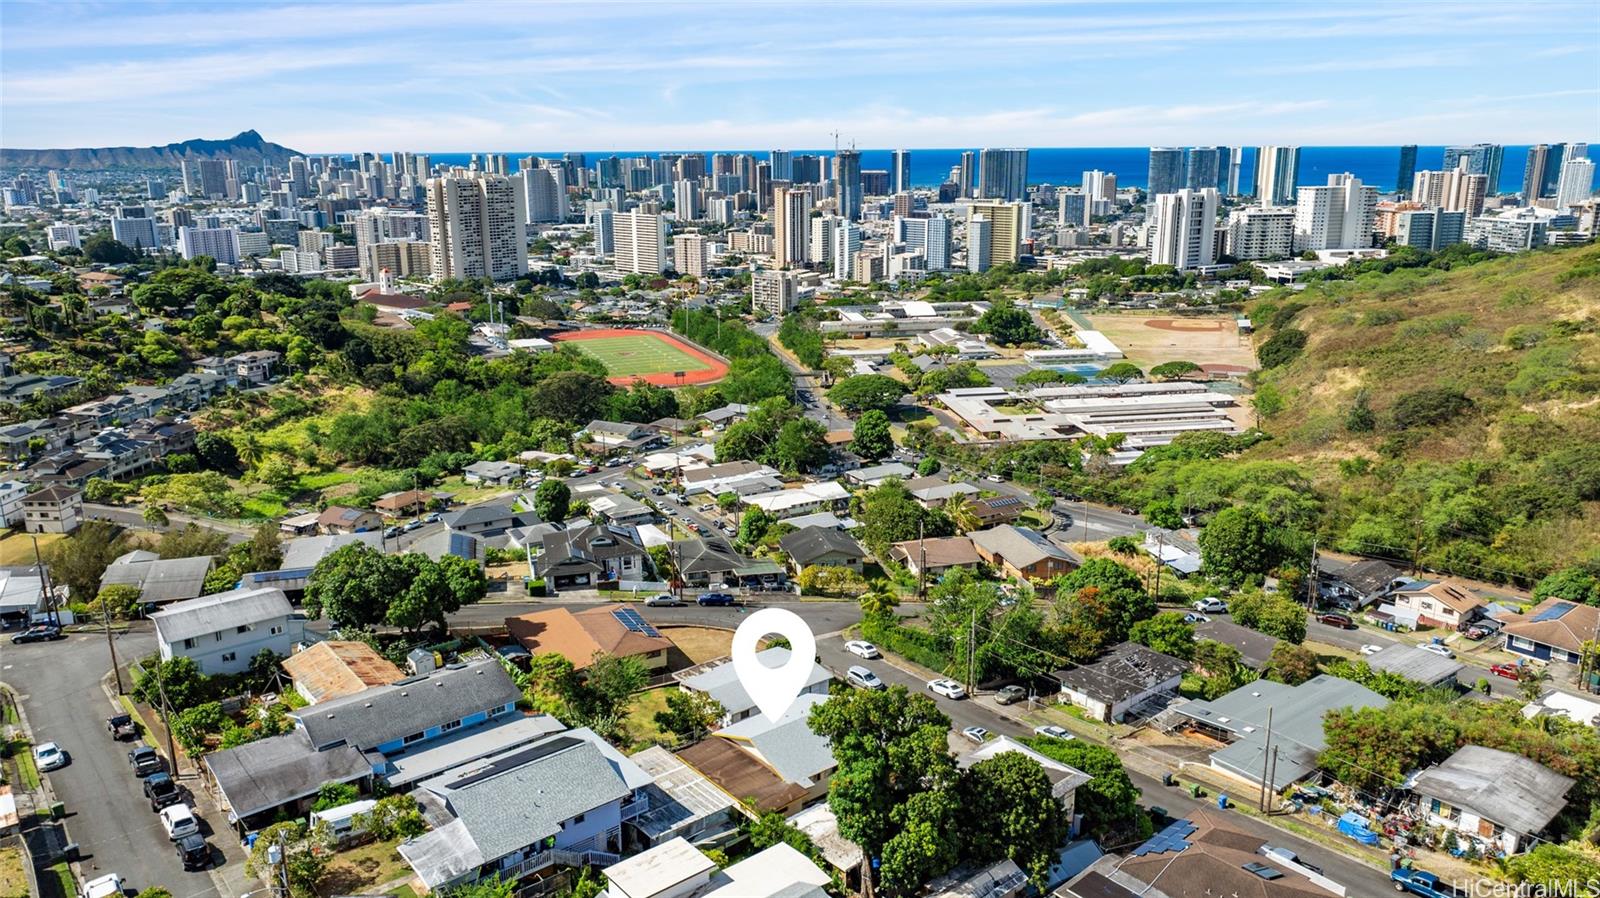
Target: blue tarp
x=1355, y=826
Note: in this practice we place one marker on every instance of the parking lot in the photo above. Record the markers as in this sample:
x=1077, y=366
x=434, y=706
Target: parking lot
x=107, y=813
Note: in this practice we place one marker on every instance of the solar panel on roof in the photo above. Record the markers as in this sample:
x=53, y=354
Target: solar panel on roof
x=630, y=618
x=1554, y=612
x=1173, y=838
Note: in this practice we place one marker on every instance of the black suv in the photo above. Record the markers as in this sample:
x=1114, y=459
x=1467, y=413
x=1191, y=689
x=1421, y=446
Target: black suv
x=162, y=791
x=193, y=852
x=145, y=761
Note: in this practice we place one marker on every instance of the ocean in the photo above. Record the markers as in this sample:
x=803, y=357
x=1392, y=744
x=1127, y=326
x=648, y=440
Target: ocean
x=1064, y=166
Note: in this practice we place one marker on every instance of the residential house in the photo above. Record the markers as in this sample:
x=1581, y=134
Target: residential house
x=1554, y=630
x=122, y=455
x=1255, y=647
x=54, y=509
x=730, y=477
x=488, y=519
x=934, y=491
x=1416, y=665
x=935, y=555
x=676, y=869
x=1240, y=718
x=996, y=509
x=823, y=547
x=718, y=679
x=333, y=669
x=613, y=436
x=779, y=765
x=406, y=503
x=222, y=632
x=1203, y=854
x=562, y=800
x=300, y=524
x=439, y=543
x=1064, y=778
x=196, y=388
x=340, y=519
x=1022, y=553
x=807, y=498
x=67, y=469
x=1497, y=799
x=409, y=713
x=1438, y=603
x=703, y=563
x=580, y=636
x=280, y=775
x=586, y=557
x=671, y=869
x=40, y=436
x=731, y=413
x=622, y=510
x=1001, y=879
x=1355, y=583
x=22, y=595
x=250, y=368
x=494, y=473
x=12, y=492
x=159, y=580
x=1127, y=676
x=16, y=389
x=877, y=474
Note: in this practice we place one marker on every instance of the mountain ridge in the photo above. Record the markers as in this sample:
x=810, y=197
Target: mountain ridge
x=246, y=146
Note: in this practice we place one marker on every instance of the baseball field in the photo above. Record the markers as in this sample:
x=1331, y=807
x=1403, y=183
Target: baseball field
x=655, y=357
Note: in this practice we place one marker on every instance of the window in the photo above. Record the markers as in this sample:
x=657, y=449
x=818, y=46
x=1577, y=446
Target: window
x=243, y=629
x=452, y=725
x=414, y=737
x=217, y=636
x=577, y=820
x=188, y=643
x=229, y=656
x=276, y=630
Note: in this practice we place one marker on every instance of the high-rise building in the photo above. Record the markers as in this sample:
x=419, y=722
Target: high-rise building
x=1205, y=168
x=1576, y=184
x=132, y=226
x=1482, y=159
x=477, y=227
x=1002, y=174
x=205, y=178
x=1533, y=171
x=822, y=228
x=155, y=189
x=221, y=244
x=1006, y=223
x=1228, y=165
x=641, y=243
x=846, y=243
x=1408, y=168
x=875, y=182
x=1560, y=154
x=401, y=258
x=686, y=199
x=1430, y=229
x=1336, y=216
x=1276, y=171
x=1183, y=228
x=967, y=177
x=1261, y=232
x=782, y=165
x=1166, y=170
x=807, y=169
x=979, y=237
x=847, y=183
x=1455, y=190
x=930, y=235
x=603, y=224
x=61, y=235
x=689, y=253
x=773, y=291
x=904, y=204
x=544, y=192
x=791, y=228
x=1073, y=207
x=900, y=171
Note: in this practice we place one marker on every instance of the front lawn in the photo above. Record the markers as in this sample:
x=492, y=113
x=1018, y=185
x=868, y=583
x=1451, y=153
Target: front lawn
x=13, y=879
x=360, y=869
x=641, y=724
x=20, y=754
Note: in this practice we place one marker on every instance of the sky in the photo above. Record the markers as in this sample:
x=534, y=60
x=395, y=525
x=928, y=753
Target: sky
x=474, y=76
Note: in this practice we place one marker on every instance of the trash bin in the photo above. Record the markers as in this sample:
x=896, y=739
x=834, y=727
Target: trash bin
x=1195, y=791
x=58, y=809
x=1166, y=779
x=1222, y=801
x=69, y=851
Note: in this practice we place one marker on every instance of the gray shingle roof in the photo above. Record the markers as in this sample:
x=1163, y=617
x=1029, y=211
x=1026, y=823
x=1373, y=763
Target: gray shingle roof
x=261, y=775
x=815, y=542
x=161, y=580
x=1511, y=790
x=383, y=714
x=722, y=683
x=221, y=611
x=1019, y=545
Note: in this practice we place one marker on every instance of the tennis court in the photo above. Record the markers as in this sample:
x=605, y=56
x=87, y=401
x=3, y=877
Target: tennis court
x=651, y=356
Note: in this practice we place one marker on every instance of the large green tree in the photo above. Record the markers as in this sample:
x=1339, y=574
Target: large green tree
x=1007, y=324
x=1167, y=633
x=1010, y=811
x=551, y=499
x=353, y=586
x=872, y=439
x=1237, y=545
x=436, y=589
x=867, y=391
x=1110, y=801
x=79, y=560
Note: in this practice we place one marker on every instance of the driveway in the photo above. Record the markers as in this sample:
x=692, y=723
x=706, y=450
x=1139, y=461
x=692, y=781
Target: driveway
x=108, y=815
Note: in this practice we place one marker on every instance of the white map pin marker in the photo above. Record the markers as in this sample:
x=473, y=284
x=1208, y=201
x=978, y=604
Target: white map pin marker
x=774, y=688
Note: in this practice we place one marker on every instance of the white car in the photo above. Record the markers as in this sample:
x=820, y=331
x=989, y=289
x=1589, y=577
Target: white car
x=947, y=688
x=1211, y=605
x=1370, y=649
x=1053, y=732
x=863, y=649
x=1437, y=649
x=179, y=821
x=975, y=734
x=49, y=756
x=107, y=886
x=664, y=600
x=995, y=478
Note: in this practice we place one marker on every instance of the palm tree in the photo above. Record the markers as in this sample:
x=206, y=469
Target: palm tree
x=960, y=512
x=879, y=600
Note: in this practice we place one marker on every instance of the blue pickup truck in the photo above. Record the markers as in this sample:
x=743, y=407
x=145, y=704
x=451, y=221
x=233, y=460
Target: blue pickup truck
x=1421, y=882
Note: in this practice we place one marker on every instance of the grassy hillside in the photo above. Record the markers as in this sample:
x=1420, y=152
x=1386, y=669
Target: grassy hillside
x=1455, y=413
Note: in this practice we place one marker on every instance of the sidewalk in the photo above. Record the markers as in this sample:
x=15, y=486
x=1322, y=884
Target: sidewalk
x=44, y=839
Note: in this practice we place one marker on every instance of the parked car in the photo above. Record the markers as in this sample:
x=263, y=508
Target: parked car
x=179, y=821
x=862, y=649
x=40, y=633
x=1053, y=732
x=48, y=756
x=1335, y=619
x=145, y=761
x=866, y=679
x=433, y=517
x=974, y=734
x=1010, y=695
x=107, y=886
x=1509, y=671
x=1437, y=649
x=1483, y=629
x=948, y=688
x=1370, y=649
x=193, y=852
x=995, y=478
x=121, y=726
x=392, y=532
x=162, y=791
x=412, y=525
x=1211, y=605
x=1421, y=882
x=1193, y=617
x=715, y=599
x=664, y=600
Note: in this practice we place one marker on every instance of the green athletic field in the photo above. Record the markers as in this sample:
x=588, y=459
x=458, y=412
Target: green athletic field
x=629, y=355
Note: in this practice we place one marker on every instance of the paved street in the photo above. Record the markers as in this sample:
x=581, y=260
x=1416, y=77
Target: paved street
x=108, y=815
x=1500, y=687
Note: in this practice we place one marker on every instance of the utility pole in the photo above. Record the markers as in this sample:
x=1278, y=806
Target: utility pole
x=972, y=639
x=1416, y=550
x=105, y=621
x=44, y=582
x=166, y=720
x=1266, y=755
x=1311, y=579
x=1161, y=544
x=922, y=564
